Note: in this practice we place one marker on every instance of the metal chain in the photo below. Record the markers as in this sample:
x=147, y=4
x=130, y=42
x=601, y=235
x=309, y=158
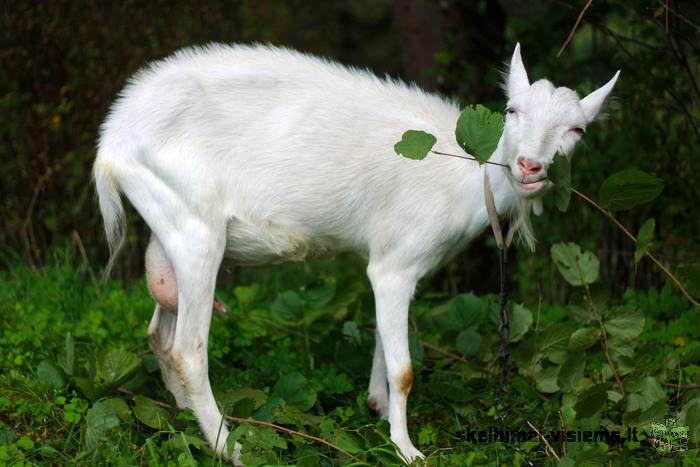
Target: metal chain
x=503, y=396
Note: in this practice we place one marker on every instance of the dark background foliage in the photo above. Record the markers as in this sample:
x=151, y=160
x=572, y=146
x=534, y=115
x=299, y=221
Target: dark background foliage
x=64, y=62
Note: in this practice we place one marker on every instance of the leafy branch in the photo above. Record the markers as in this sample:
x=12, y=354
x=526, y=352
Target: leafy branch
x=478, y=131
x=254, y=422
x=604, y=335
x=634, y=239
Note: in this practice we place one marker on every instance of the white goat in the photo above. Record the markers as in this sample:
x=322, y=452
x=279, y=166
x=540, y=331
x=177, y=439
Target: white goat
x=264, y=155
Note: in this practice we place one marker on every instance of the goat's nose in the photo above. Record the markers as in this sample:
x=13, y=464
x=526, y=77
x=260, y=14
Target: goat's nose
x=529, y=166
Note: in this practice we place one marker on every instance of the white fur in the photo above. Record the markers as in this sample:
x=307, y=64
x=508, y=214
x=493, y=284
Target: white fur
x=264, y=155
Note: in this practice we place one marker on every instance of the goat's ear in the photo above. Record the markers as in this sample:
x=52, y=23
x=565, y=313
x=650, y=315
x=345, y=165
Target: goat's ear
x=592, y=103
x=517, y=76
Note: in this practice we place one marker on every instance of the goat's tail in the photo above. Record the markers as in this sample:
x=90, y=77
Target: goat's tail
x=111, y=207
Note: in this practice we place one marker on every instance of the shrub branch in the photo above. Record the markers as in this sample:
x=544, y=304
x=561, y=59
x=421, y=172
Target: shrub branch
x=255, y=422
x=602, y=328
x=634, y=239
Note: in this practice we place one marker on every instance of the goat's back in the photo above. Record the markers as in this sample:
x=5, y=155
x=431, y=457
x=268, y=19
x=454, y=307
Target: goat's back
x=290, y=149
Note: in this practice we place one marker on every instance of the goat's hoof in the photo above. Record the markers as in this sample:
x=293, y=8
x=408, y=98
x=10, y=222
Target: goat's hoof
x=379, y=405
x=409, y=453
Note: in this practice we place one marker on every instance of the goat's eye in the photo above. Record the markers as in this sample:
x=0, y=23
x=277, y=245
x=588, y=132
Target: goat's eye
x=578, y=131
x=511, y=111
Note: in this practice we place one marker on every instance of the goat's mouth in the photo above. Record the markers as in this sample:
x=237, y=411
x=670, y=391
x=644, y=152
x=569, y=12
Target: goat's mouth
x=531, y=188
x=532, y=185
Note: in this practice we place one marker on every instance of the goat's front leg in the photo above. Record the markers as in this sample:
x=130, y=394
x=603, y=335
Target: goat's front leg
x=392, y=293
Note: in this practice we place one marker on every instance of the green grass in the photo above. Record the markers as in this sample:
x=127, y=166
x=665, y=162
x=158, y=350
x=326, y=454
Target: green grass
x=296, y=352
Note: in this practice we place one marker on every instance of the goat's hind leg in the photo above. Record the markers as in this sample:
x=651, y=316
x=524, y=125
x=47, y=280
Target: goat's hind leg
x=196, y=255
x=378, y=398
x=161, y=333
x=160, y=277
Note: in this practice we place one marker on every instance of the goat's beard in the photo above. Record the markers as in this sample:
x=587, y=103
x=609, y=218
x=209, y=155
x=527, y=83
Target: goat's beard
x=521, y=222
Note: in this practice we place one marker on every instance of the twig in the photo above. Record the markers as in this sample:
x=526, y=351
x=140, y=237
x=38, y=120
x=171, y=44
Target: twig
x=563, y=430
x=27, y=228
x=413, y=322
x=443, y=352
x=279, y=326
x=571, y=34
x=677, y=15
x=292, y=432
x=602, y=328
x=549, y=447
x=674, y=385
x=439, y=350
x=537, y=330
x=76, y=238
x=158, y=403
x=469, y=158
x=255, y=422
x=634, y=239
x=659, y=81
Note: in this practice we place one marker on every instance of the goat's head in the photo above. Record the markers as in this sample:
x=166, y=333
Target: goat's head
x=540, y=121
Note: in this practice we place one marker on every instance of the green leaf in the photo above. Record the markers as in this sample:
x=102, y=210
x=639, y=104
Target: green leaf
x=86, y=386
x=119, y=406
x=546, y=379
x=573, y=261
x=247, y=296
x=629, y=188
x=468, y=342
x=346, y=442
x=149, y=413
x=287, y=306
x=114, y=367
x=689, y=275
x=624, y=321
x=269, y=409
x=592, y=456
x=25, y=443
x=644, y=238
x=465, y=311
x=415, y=349
x=584, y=338
x=100, y=419
x=559, y=173
x=520, y=322
x=415, y=144
x=267, y=438
x=50, y=373
x=638, y=416
x=690, y=417
x=478, y=131
x=232, y=397
x=571, y=373
x=320, y=295
x=591, y=400
x=290, y=388
x=553, y=341
x=181, y=441
x=351, y=333
x=67, y=362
